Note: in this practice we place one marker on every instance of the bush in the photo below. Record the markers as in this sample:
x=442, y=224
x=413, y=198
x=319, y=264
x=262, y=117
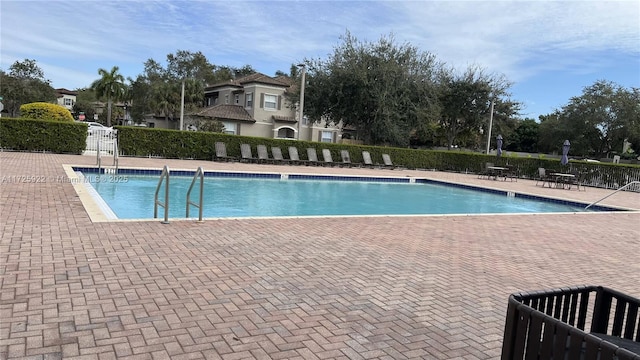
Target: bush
x=137, y=141
x=45, y=111
x=43, y=135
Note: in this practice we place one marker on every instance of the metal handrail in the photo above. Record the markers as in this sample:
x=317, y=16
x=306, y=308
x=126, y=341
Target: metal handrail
x=165, y=204
x=115, y=153
x=98, y=157
x=198, y=175
x=621, y=188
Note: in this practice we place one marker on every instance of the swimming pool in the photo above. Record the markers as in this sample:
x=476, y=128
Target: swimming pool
x=229, y=195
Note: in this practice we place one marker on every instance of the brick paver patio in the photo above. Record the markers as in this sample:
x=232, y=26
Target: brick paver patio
x=431, y=287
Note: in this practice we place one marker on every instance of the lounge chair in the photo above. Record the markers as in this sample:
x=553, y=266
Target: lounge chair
x=326, y=156
x=263, y=154
x=277, y=156
x=294, y=157
x=366, y=159
x=346, y=158
x=312, y=156
x=245, y=151
x=221, y=153
x=387, y=161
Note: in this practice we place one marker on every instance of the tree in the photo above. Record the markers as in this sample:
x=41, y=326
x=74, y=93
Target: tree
x=186, y=64
x=383, y=90
x=25, y=83
x=465, y=101
x=166, y=100
x=85, y=102
x=525, y=137
x=630, y=110
x=598, y=121
x=110, y=85
x=552, y=133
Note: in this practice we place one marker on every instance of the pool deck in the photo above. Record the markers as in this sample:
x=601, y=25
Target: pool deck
x=430, y=287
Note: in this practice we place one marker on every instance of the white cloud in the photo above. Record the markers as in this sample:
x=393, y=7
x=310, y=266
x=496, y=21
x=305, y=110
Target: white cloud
x=518, y=38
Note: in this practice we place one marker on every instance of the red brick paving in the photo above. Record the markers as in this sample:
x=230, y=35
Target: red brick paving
x=310, y=288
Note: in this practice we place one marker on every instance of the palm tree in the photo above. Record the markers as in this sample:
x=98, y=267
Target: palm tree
x=110, y=85
x=166, y=100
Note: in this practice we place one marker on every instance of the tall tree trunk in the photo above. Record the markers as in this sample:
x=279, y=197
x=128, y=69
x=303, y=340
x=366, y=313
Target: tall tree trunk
x=109, y=112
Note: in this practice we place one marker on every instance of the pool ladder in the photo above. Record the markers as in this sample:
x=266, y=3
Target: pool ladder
x=164, y=179
x=198, y=175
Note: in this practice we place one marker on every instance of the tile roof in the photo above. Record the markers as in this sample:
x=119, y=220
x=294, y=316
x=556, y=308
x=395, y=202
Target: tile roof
x=284, y=118
x=253, y=78
x=226, y=112
x=66, y=91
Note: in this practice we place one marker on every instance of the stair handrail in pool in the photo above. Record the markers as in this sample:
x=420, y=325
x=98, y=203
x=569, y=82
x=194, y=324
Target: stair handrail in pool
x=198, y=175
x=621, y=188
x=164, y=175
x=98, y=157
x=115, y=153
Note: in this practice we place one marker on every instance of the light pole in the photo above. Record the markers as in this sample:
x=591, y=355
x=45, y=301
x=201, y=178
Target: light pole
x=490, y=124
x=125, y=114
x=303, y=67
x=182, y=106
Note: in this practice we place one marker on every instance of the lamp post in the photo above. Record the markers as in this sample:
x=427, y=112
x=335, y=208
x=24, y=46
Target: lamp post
x=303, y=67
x=125, y=114
x=182, y=106
x=490, y=124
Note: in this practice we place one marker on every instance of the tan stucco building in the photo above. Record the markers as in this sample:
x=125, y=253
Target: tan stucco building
x=256, y=105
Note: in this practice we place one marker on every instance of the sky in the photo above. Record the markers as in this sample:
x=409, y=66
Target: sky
x=549, y=50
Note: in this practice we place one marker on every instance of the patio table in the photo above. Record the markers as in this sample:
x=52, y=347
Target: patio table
x=496, y=171
x=561, y=179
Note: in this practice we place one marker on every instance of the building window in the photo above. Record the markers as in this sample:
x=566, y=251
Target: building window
x=226, y=98
x=230, y=128
x=327, y=136
x=270, y=101
x=249, y=100
x=237, y=99
x=286, y=133
x=68, y=102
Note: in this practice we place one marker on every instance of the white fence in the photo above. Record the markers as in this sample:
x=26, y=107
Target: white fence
x=106, y=142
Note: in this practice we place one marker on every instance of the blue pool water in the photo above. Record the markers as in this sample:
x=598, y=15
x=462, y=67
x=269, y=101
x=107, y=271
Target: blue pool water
x=132, y=197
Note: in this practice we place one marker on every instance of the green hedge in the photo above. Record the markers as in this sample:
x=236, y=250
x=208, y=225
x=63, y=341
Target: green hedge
x=43, y=135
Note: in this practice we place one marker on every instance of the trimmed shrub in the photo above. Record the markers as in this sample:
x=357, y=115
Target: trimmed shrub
x=43, y=135
x=45, y=111
x=139, y=141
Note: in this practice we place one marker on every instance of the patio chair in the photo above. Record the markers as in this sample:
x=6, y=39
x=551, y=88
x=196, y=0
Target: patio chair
x=326, y=156
x=486, y=171
x=312, y=155
x=544, y=177
x=221, y=153
x=263, y=154
x=386, y=159
x=578, y=181
x=294, y=157
x=346, y=158
x=366, y=159
x=512, y=173
x=245, y=151
x=277, y=156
